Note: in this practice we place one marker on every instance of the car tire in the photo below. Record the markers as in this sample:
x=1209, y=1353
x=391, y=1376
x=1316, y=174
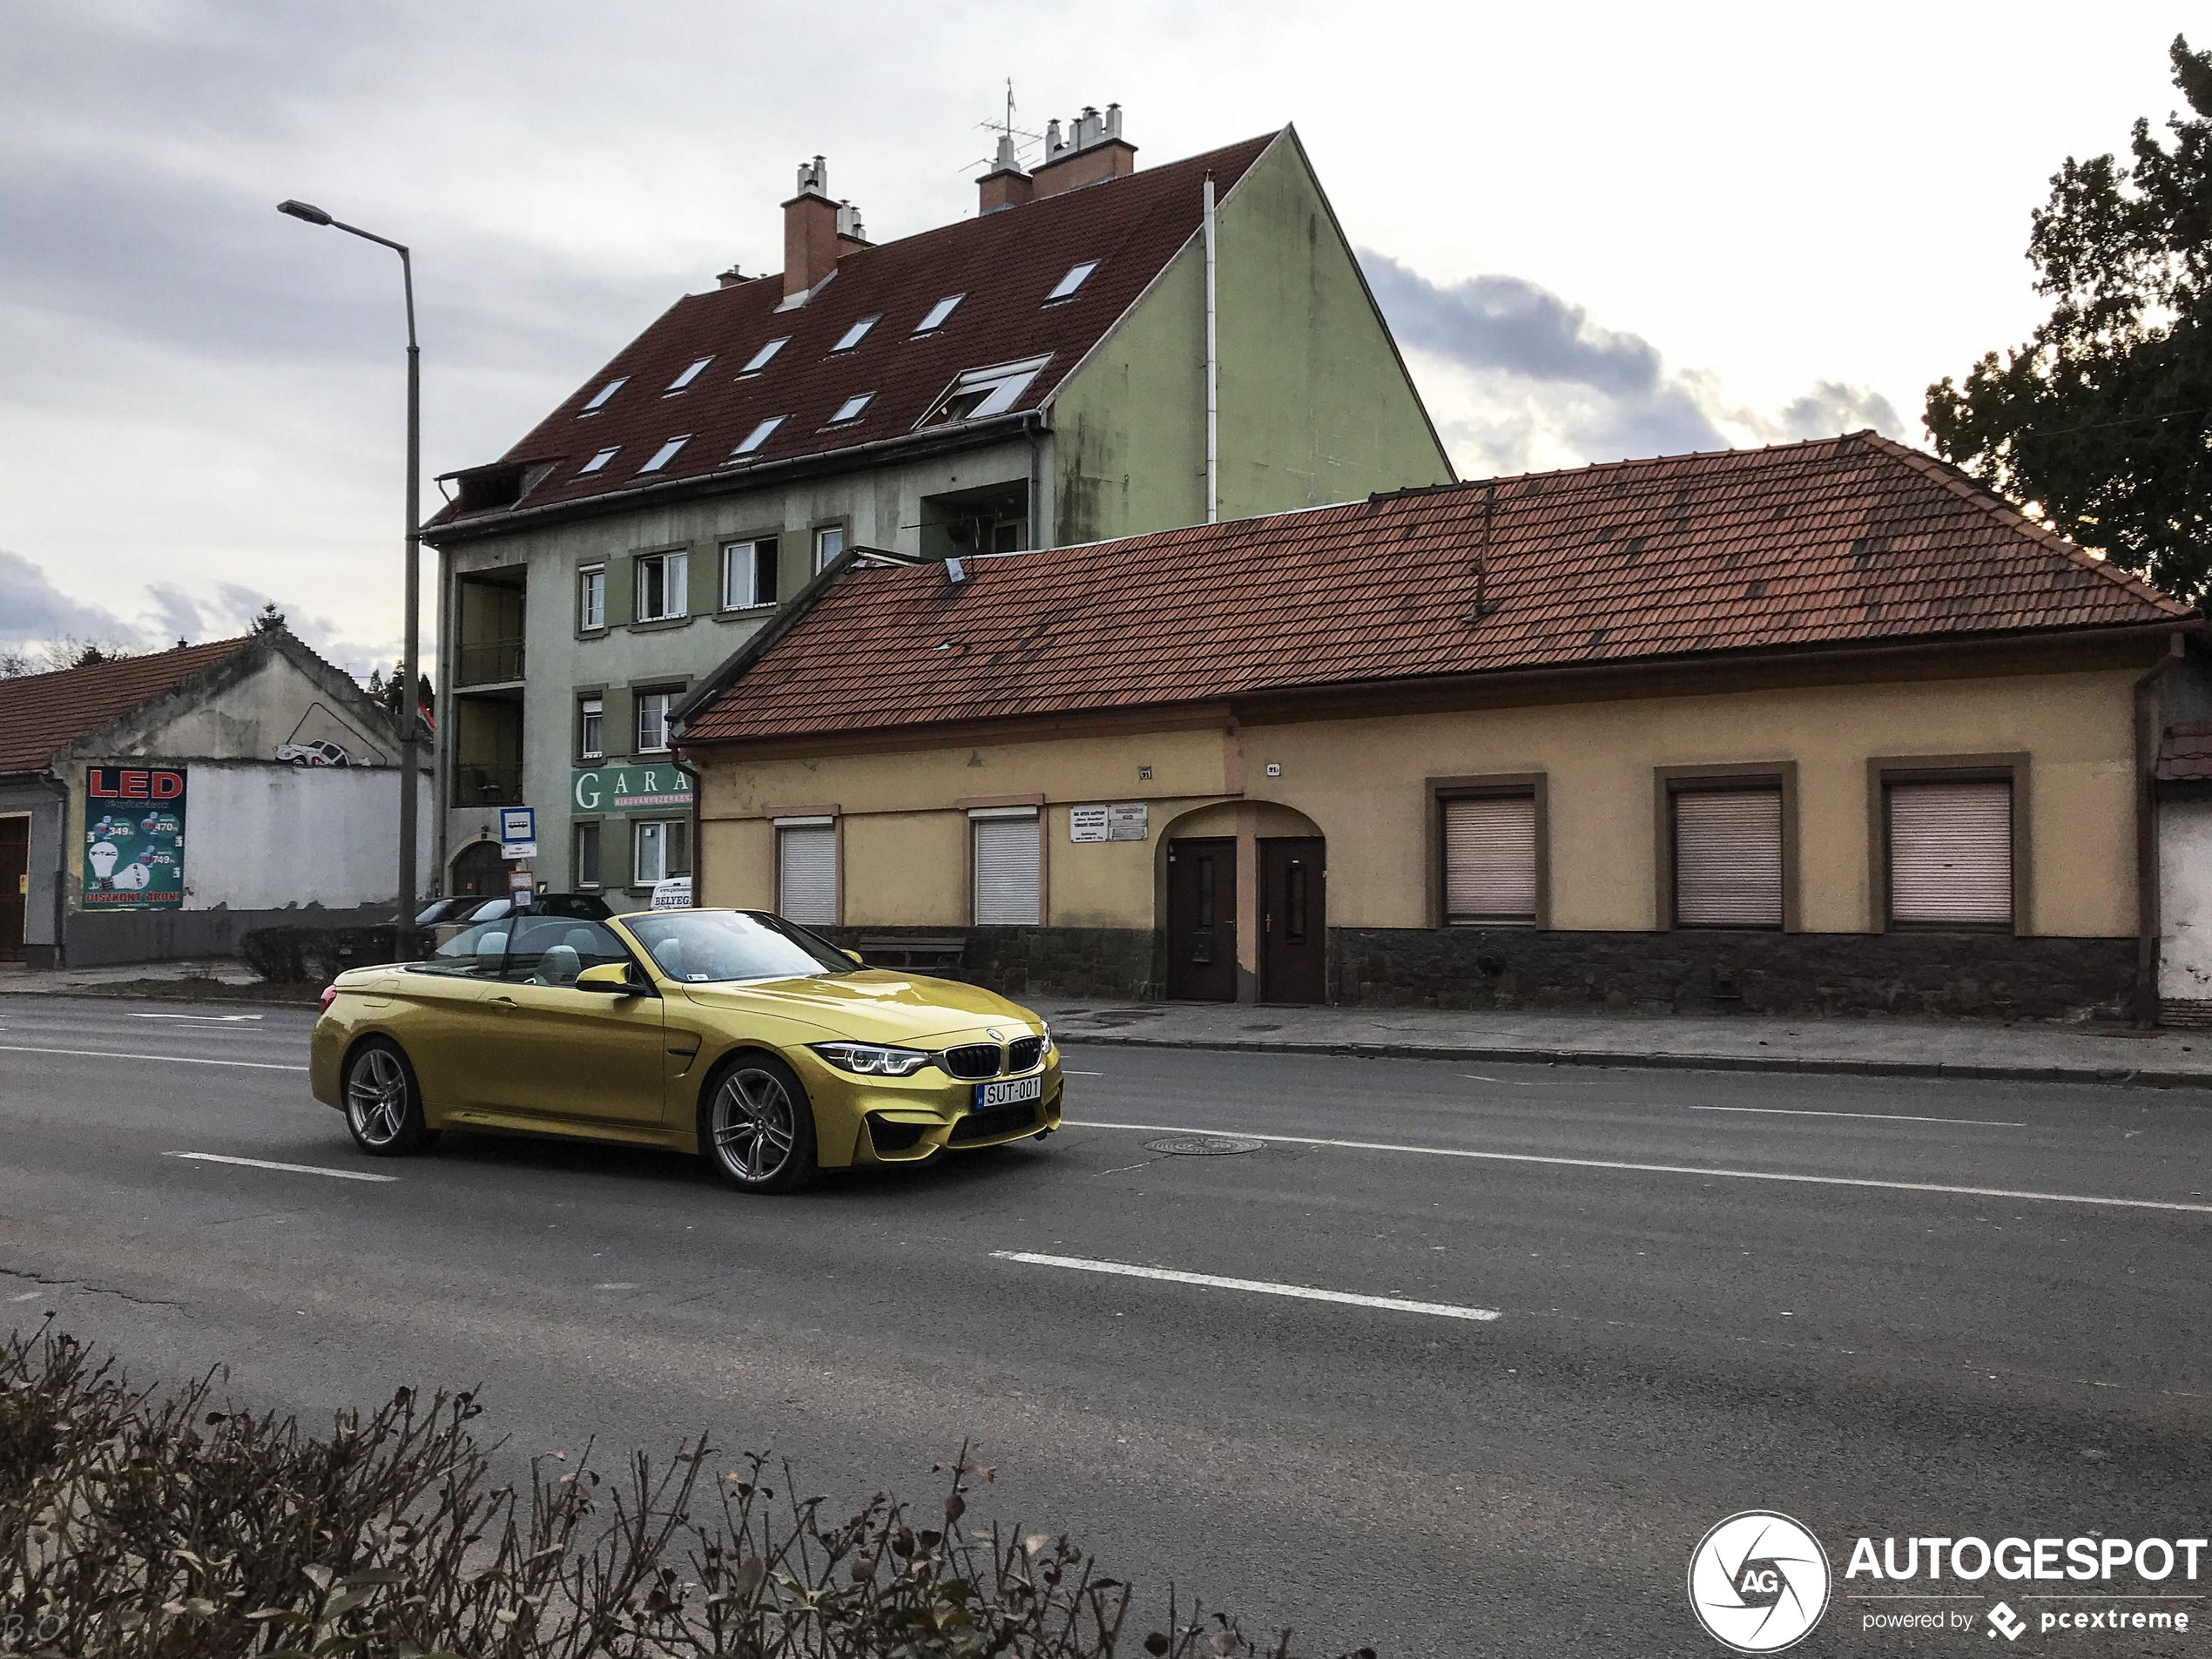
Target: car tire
x=384, y=1103
x=756, y=1127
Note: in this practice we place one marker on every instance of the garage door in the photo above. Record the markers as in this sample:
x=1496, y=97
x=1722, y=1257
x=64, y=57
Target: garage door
x=1727, y=857
x=1950, y=853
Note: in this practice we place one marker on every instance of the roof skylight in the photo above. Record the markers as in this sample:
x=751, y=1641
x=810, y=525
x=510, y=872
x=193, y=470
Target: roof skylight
x=1075, y=279
x=852, y=408
x=940, y=313
x=688, y=375
x=765, y=355
x=599, y=398
x=665, y=454
x=757, y=436
x=983, y=392
x=857, y=333
x=601, y=459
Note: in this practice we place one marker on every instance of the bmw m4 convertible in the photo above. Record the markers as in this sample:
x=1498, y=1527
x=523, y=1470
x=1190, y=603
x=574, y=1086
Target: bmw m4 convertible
x=731, y=1034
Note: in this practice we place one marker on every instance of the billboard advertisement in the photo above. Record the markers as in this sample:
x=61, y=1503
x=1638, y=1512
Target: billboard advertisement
x=134, y=838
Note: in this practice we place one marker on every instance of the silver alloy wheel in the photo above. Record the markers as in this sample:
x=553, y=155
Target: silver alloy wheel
x=376, y=1097
x=753, y=1125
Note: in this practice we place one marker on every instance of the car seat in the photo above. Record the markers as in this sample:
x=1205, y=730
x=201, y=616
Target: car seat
x=559, y=966
x=669, y=955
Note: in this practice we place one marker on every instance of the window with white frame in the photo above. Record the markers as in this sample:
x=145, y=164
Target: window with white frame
x=599, y=460
x=856, y=333
x=665, y=454
x=661, y=847
x=591, y=597
x=806, y=871
x=1008, y=857
x=688, y=375
x=829, y=542
x=652, y=721
x=664, y=586
x=759, y=435
x=940, y=314
x=587, y=855
x=591, y=728
x=1078, y=275
x=762, y=358
x=599, y=398
x=749, y=574
x=852, y=408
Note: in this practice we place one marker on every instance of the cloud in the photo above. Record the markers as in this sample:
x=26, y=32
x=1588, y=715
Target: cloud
x=1521, y=378
x=32, y=608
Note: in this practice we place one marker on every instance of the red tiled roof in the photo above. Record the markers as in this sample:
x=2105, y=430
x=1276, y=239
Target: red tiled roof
x=2186, y=753
x=1004, y=262
x=40, y=713
x=1851, y=540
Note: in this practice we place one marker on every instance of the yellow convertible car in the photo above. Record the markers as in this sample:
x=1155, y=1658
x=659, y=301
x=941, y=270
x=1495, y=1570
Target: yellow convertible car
x=732, y=1034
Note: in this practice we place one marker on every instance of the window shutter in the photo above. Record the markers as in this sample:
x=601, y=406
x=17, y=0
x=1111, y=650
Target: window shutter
x=1950, y=853
x=807, y=874
x=1490, y=858
x=1727, y=857
x=1006, y=889
x=705, y=595
x=617, y=723
x=622, y=591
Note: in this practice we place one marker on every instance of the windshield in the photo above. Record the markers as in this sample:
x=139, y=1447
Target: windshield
x=701, y=946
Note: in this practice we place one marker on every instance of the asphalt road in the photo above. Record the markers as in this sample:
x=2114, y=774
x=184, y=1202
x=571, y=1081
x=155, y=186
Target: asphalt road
x=1920, y=1332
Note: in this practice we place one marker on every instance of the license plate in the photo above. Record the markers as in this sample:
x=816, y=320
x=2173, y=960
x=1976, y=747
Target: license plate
x=1009, y=1093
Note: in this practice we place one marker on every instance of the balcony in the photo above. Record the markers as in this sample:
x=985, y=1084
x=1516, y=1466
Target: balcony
x=476, y=784
x=488, y=662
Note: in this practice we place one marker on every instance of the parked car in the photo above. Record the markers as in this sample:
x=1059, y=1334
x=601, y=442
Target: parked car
x=788, y=1056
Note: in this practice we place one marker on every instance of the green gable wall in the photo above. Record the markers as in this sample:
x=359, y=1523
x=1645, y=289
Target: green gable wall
x=1315, y=405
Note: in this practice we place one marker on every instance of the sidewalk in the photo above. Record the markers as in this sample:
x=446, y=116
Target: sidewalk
x=215, y=979
x=1882, y=1048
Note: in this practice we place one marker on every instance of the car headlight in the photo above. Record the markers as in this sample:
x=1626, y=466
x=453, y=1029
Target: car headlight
x=873, y=1059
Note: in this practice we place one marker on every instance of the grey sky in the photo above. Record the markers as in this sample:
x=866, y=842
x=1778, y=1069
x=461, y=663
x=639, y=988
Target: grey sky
x=1600, y=230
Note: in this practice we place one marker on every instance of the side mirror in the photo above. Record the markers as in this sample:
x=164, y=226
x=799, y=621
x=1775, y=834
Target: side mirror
x=611, y=979
x=857, y=957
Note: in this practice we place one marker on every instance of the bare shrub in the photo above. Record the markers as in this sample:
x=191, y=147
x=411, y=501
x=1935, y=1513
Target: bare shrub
x=162, y=1525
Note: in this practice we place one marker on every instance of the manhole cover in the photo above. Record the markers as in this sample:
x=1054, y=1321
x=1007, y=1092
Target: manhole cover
x=1202, y=1146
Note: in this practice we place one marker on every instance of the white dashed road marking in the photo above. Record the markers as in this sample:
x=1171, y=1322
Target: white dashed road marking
x=167, y=1059
x=289, y=1168
x=1257, y=1287
x=1668, y=1169
x=1879, y=1117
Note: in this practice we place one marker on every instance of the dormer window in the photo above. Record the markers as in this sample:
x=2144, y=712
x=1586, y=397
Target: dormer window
x=983, y=392
x=665, y=454
x=940, y=313
x=852, y=409
x=856, y=333
x=1075, y=279
x=757, y=436
x=762, y=358
x=599, y=460
x=599, y=398
x=687, y=376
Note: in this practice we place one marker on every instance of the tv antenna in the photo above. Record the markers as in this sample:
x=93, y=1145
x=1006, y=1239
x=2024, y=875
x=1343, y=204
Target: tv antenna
x=1013, y=139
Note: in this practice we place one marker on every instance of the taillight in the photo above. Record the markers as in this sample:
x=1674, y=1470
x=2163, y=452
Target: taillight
x=329, y=995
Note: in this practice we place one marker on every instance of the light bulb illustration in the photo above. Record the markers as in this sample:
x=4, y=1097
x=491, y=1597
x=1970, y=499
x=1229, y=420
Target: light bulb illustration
x=135, y=876
x=102, y=856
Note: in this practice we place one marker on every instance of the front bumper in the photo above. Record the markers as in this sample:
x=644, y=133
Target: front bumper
x=906, y=1120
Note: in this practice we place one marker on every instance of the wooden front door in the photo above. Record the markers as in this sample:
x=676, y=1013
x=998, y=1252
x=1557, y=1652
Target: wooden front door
x=15, y=884
x=1202, y=921
x=481, y=872
x=1294, y=921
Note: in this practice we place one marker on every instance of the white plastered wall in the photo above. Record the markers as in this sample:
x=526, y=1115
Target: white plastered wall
x=2185, y=900
x=265, y=837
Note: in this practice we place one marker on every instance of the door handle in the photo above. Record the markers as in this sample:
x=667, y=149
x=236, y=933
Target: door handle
x=505, y=1004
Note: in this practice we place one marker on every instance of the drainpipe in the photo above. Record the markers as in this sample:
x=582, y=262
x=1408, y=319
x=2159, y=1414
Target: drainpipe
x=1213, y=373
x=698, y=853
x=2148, y=920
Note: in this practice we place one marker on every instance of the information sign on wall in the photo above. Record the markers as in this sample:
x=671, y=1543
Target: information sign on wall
x=1124, y=822
x=631, y=787
x=134, y=838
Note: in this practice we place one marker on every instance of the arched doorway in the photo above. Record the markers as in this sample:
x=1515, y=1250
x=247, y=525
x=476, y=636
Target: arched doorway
x=1243, y=905
x=478, y=872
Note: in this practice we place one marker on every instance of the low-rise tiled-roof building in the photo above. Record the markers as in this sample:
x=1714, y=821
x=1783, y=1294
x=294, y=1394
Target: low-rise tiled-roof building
x=1821, y=725
x=162, y=805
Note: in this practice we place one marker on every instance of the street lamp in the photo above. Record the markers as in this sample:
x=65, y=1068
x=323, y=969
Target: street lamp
x=410, y=716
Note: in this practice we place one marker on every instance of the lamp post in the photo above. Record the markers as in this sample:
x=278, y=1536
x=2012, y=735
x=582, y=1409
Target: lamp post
x=410, y=673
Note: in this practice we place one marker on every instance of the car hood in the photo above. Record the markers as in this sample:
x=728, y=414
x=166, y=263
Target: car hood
x=875, y=1005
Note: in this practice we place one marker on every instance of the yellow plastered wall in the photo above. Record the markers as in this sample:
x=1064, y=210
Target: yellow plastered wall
x=1361, y=782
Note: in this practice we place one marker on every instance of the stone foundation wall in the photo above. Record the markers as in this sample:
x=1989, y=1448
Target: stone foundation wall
x=1113, y=962
x=1978, y=975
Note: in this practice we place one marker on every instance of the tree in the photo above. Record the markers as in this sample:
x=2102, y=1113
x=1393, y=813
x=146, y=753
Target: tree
x=269, y=619
x=2104, y=419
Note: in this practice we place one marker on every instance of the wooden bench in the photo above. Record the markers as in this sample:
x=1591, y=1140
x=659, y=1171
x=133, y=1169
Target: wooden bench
x=925, y=953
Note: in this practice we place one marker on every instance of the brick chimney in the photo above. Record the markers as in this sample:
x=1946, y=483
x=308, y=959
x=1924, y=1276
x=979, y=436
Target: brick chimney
x=1093, y=149
x=810, y=230
x=1005, y=185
